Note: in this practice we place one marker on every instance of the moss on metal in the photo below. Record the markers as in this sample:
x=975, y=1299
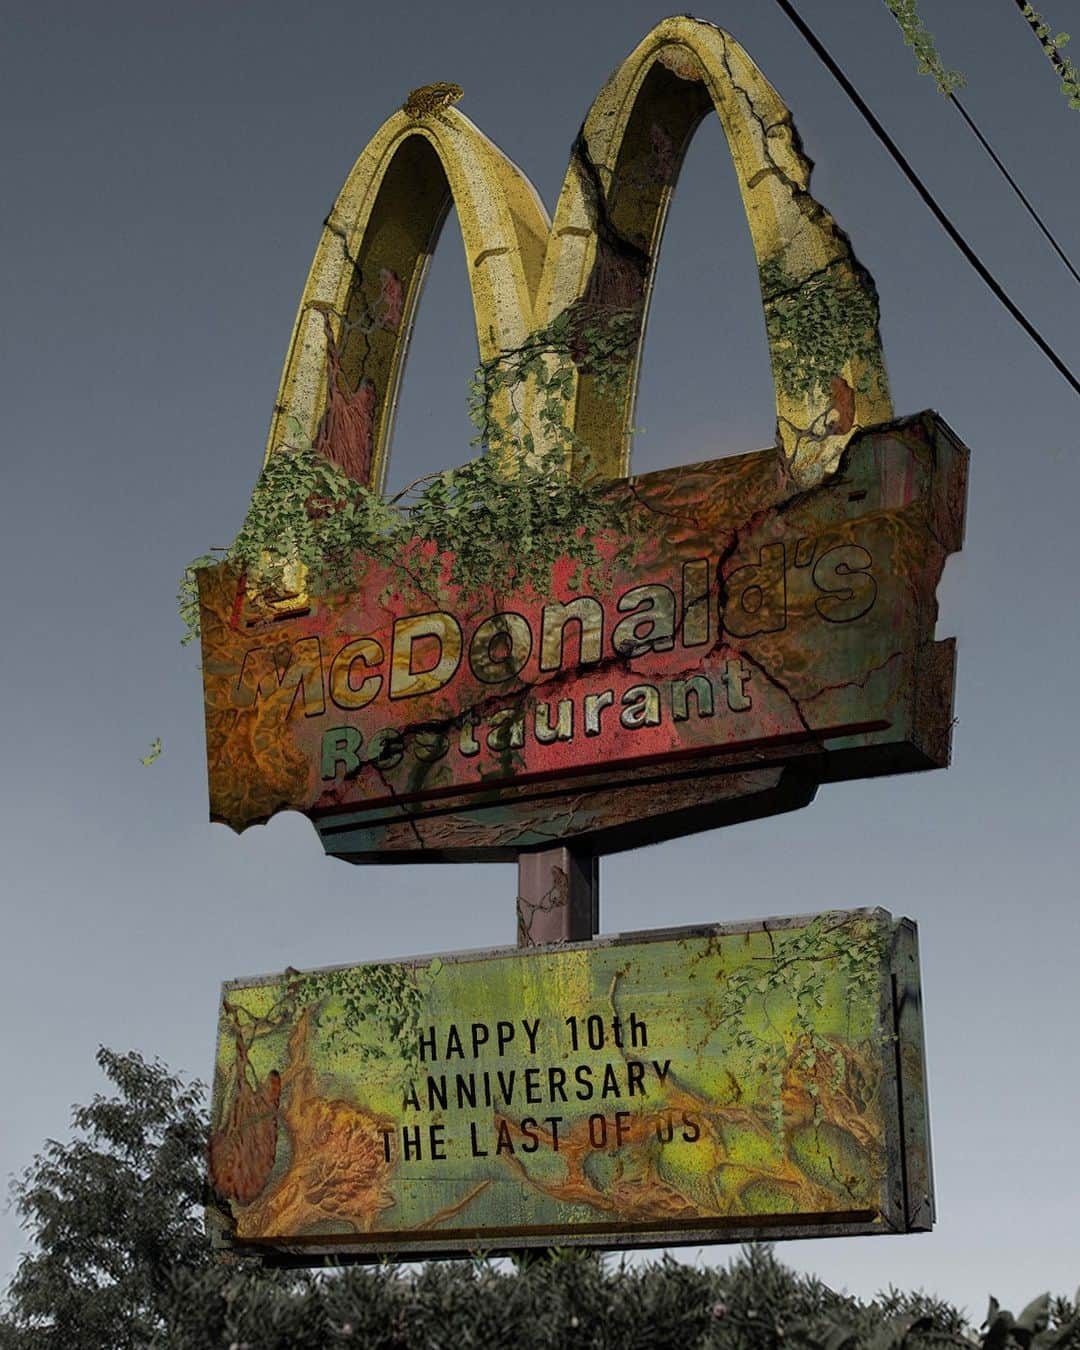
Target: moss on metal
x=734, y=1075
x=388, y=997
x=793, y=979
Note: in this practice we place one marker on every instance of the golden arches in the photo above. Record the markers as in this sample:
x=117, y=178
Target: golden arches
x=610, y=219
x=358, y=306
x=580, y=290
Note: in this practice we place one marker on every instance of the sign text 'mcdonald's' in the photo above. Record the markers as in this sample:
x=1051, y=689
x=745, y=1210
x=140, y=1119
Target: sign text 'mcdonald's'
x=800, y=635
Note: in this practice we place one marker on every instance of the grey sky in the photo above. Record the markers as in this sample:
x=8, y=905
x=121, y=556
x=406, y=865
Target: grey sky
x=166, y=172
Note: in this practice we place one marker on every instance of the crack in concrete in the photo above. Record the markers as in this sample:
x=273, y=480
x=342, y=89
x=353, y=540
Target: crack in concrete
x=777, y=683
x=643, y=502
x=607, y=232
x=342, y=236
x=854, y=684
x=799, y=194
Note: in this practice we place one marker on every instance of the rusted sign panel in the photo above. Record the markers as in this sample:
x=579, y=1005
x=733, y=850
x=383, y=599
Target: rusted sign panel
x=703, y=1084
x=523, y=655
x=747, y=624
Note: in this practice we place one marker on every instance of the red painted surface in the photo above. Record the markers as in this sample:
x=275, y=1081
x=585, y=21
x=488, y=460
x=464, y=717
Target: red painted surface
x=775, y=620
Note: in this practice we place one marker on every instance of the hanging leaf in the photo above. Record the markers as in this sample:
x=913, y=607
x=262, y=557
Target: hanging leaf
x=922, y=43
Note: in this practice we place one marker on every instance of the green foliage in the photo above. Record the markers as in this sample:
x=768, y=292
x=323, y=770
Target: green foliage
x=305, y=510
x=816, y=325
x=1052, y=45
x=153, y=754
x=585, y=339
x=492, y=522
x=119, y=1262
x=391, y=996
x=187, y=596
x=906, y=14
x=788, y=987
x=508, y=524
x=110, y=1213
x=500, y=520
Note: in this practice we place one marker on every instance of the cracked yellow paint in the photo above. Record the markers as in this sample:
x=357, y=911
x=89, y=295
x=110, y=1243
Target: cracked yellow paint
x=601, y=249
x=771, y=610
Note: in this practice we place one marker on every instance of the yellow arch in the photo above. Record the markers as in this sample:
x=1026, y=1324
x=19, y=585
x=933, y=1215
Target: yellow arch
x=585, y=281
x=387, y=219
x=616, y=196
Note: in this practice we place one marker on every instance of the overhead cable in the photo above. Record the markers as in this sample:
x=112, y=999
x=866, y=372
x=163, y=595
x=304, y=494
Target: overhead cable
x=1013, y=184
x=924, y=192
x=948, y=81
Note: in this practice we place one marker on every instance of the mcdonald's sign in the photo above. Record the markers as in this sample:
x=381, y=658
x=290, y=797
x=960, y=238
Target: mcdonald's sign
x=757, y=1080
x=742, y=630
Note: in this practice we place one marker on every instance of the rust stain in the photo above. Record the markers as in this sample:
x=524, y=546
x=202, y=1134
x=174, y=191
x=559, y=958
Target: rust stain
x=336, y=1174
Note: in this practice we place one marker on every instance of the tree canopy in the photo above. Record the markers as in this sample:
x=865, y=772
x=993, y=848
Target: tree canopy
x=118, y=1261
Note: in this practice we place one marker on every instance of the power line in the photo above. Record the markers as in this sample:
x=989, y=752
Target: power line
x=928, y=198
x=1064, y=67
x=948, y=81
x=1014, y=185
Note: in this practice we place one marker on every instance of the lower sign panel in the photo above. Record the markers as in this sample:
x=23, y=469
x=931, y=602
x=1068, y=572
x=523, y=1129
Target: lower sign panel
x=688, y=1085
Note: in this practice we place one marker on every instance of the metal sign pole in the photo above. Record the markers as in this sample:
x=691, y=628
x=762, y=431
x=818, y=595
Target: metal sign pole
x=558, y=897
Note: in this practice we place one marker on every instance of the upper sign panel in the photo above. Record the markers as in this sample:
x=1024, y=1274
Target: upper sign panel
x=540, y=647
x=740, y=626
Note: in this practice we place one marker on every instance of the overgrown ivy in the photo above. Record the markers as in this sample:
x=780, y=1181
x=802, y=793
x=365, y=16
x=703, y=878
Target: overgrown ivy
x=499, y=521
x=1052, y=46
x=389, y=996
x=586, y=339
x=791, y=983
x=906, y=14
x=816, y=325
x=504, y=519
x=505, y=526
x=488, y=525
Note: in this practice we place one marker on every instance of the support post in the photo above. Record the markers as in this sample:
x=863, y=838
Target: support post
x=558, y=897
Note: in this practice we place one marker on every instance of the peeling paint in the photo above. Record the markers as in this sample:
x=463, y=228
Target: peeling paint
x=707, y=1084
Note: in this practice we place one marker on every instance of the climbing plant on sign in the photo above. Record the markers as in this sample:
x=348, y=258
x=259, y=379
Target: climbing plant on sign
x=511, y=650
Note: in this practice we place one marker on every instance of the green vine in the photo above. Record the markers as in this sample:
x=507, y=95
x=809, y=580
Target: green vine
x=789, y=985
x=1063, y=65
x=187, y=596
x=304, y=511
x=153, y=754
x=495, y=523
x=922, y=43
x=586, y=339
x=390, y=996
x=499, y=521
x=816, y=325
x=505, y=526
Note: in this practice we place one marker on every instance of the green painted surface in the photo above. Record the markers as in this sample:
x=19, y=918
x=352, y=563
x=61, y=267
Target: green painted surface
x=753, y=1084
